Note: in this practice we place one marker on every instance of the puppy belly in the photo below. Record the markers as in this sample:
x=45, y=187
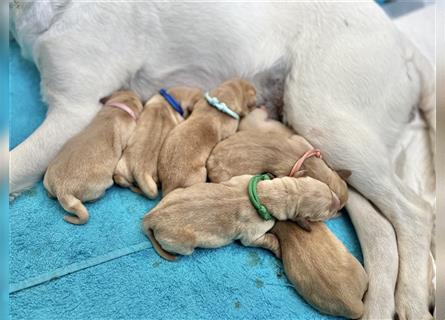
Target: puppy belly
x=184, y=242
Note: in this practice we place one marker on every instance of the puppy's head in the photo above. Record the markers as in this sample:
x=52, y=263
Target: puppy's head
x=240, y=95
x=187, y=97
x=127, y=97
x=254, y=120
x=316, y=201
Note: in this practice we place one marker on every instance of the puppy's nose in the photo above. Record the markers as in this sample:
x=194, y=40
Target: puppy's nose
x=335, y=205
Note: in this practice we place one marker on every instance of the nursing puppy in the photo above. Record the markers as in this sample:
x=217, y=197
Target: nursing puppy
x=321, y=269
x=83, y=169
x=138, y=167
x=317, y=263
x=258, y=119
x=182, y=161
x=269, y=146
x=211, y=215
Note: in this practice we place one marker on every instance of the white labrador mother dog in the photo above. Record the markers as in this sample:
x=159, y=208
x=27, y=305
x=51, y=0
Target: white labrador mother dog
x=350, y=84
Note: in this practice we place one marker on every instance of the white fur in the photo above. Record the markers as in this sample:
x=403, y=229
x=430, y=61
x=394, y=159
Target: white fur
x=349, y=81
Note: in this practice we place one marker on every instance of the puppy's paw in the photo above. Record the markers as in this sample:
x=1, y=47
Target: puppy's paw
x=148, y=186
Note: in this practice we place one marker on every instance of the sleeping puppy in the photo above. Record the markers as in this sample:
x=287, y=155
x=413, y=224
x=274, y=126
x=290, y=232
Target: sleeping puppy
x=321, y=269
x=211, y=215
x=137, y=169
x=317, y=263
x=271, y=147
x=83, y=169
x=182, y=161
x=258, y=119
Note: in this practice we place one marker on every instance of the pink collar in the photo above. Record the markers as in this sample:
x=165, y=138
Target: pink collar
x=299, y=163
x=123, y=107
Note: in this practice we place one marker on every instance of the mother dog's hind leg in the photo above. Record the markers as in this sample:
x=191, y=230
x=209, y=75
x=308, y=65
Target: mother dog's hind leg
x=379, y=247
x=354, y=106
x=353, y=146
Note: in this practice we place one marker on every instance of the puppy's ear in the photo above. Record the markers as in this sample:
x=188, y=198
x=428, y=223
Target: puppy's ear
x=251, y=98
x=189, y=101
x=344, y=173
x=104, y=100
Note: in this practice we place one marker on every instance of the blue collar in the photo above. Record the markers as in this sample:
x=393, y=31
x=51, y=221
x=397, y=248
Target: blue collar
x=172, y=101
x=221, y=106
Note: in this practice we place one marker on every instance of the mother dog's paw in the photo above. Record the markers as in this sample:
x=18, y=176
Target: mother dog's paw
x=410, y=306
x=13, y=195
x=379, y=304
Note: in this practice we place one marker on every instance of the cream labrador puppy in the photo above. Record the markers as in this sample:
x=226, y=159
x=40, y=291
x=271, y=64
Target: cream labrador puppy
x=138, y=167
x=211, y=215
x=321, y=269
x=182, y=161
x=84, y=167
x=268, y=146
x=317, y=263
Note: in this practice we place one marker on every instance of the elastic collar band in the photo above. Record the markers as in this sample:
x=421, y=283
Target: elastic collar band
x=123, y=107
x=172, y=102
x=221, y=106
x=253, y=196
x=299, y=163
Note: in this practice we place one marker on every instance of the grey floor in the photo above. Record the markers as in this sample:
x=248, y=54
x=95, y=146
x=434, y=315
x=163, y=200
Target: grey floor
x=398, y=8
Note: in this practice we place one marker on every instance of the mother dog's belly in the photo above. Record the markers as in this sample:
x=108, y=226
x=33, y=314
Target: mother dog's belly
x=268, y=83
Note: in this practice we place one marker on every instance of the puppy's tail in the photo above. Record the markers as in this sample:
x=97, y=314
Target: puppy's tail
x=74, y=206
x=164, y=254
x=147, y=185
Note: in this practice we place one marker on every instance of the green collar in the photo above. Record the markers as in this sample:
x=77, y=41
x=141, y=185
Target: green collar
x=253, y=196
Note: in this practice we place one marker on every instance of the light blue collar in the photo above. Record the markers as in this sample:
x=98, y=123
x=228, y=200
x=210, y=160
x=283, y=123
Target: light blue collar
x=221, y=106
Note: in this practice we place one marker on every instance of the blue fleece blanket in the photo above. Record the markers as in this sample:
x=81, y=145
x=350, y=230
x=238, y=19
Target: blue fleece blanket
x=107, y=269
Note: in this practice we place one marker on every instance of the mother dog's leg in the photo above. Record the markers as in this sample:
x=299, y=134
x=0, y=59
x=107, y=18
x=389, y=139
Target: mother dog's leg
x=360, y=150
x=29, y=160
x=355, y=112
x=353, y=145
x=379, y=247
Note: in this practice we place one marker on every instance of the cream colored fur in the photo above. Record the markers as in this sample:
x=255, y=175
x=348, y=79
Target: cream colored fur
x=317, y=263
x=321, y=269
x=266, y=145
x=84, y=167
x=348, y=81
x=138, y=167
x=210, y=215
x=186, y=149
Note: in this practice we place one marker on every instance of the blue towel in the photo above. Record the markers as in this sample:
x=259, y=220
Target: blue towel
x=108, y=269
